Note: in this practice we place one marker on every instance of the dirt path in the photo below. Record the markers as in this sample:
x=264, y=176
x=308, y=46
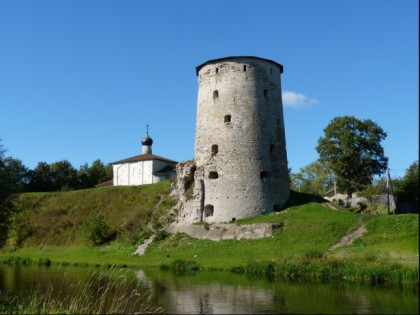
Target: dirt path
x=351, y=236
x=142, y=247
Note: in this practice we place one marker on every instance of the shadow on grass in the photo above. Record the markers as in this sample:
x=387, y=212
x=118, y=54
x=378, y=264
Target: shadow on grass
x=299, y=198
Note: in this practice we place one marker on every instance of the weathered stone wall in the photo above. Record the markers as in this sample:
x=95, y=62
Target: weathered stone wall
x=240, y=166
x=220, y=231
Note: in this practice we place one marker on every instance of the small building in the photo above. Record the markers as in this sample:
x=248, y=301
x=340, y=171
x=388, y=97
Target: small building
x=143, y=169
x=334, y=196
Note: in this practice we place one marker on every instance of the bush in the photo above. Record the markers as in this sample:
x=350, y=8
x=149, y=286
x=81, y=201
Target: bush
x=362, y=205
x=96, y=230
x=161, y=235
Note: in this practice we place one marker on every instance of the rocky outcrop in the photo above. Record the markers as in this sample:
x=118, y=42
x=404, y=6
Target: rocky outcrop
x=226, y=231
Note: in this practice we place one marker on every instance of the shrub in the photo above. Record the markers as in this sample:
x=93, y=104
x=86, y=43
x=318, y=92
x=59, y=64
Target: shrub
x=184, y=266
x=362, y=205
x=161, y=235
x=95, y=229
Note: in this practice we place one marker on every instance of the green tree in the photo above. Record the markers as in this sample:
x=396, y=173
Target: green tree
x=408, y=187
x=12, y=177
x=41, y=178
x=64, y=176
x=315, y=178
x=95, y=174
x=352, y=149
x=95, y=229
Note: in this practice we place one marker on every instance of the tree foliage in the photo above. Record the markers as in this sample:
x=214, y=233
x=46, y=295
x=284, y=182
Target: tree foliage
x=97, y=173
x=408, y=187
x=352, y=149
x=62, y=176
x=315, y=178
x=96, y=229
x=12, y=179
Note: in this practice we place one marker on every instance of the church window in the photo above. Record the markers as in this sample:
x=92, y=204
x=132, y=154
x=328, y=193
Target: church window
x=208, y=211
x=213, y=175
x=244, y=67
x=214, y=149
x=227, y=118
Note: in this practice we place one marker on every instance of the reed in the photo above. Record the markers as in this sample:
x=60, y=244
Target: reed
x=16, y=260
x=104, y=293
x=324, y=268
x=181, y=266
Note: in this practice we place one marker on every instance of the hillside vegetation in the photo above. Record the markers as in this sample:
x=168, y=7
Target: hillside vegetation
x=52, y=226
x=41, y=219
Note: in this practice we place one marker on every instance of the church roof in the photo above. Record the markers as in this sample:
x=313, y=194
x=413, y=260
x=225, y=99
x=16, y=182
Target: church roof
x=144, y=157
x=106, y=183
x=164, y=171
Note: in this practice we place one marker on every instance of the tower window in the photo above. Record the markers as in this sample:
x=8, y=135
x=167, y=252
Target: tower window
x=217, y=70
x=215, y=94
x=213, y=175
x=244, y=67
x=278, y=122
x=208, y=211
x=264, y=174
x=227, y=118
x=265, y=93
x=214, y=149
x=271, y=148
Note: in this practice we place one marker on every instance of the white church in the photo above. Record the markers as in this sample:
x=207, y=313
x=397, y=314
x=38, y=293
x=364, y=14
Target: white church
x=142, y=169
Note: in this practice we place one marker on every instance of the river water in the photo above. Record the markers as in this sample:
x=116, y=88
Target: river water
x=216, y=292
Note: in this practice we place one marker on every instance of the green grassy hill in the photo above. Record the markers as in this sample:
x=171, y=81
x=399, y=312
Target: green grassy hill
x=42, y=219
x=52, y=226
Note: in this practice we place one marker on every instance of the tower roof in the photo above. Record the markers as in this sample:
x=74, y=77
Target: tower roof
x=198, y=68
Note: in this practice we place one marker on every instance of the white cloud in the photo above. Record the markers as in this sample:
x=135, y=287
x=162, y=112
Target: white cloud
x=297, y=100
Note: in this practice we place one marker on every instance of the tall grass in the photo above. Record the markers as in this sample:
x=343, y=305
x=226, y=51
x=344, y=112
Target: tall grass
x=181, y=266
x=103, y=293
x=329, y=268
x=56, y=218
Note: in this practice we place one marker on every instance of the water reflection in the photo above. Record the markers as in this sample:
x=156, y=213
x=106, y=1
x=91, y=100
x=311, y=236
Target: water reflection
x=224, y=292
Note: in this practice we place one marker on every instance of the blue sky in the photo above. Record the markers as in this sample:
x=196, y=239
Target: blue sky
x=79, y=80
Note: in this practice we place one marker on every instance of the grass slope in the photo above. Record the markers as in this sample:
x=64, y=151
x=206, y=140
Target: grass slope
x=44, y=219
x=48, y=226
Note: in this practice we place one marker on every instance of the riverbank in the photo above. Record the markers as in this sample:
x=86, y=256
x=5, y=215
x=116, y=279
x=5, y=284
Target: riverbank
x=302, y=249
x=313, y=240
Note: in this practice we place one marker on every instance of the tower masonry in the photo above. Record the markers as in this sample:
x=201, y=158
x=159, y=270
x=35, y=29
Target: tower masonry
x=240, y=166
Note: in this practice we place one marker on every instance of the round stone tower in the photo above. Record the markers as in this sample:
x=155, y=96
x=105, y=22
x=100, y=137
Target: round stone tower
x=240, y=148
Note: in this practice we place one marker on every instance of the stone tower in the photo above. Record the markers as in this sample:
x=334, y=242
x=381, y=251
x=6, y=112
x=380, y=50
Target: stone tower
x=240, y=166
